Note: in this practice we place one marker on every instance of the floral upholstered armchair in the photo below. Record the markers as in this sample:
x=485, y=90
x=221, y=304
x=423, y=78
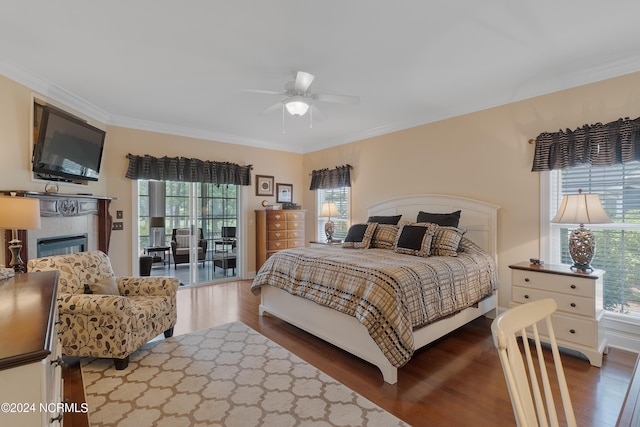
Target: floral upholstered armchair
x=104, y=316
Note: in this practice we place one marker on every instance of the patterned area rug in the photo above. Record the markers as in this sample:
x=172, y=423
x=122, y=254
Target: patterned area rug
x=228, y=376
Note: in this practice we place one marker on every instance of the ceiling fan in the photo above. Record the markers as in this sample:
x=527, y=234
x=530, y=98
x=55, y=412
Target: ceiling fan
x=298, y=99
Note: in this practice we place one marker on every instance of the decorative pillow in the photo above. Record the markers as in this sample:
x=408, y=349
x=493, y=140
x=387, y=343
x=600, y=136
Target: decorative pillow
x=442, y=219
x=446, y=241
x=385, y=236
x=359, y=236
x=102, y=287
x=415, y=239
x=385, y=219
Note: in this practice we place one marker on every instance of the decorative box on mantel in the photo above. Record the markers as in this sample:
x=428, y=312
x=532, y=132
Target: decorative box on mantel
x=61, y=212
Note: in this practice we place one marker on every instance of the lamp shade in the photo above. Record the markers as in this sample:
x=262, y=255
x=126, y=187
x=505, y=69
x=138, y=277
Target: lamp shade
x=297, y=106
x=329, y=209
x=581, y=209
x=19, y=213
x=157, y=222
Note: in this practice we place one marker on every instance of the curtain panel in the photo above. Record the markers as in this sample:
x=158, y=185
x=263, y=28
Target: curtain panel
x=187, y=170
x=596, y=145
x=327, y=179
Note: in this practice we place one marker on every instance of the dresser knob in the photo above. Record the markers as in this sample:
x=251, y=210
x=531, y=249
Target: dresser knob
x=526, y=279
x=526, y=296
x=573, y=331
x=573, y=286
x=573, y=304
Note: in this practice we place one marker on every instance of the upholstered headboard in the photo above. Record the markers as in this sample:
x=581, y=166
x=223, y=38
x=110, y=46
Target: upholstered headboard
x=480, y=219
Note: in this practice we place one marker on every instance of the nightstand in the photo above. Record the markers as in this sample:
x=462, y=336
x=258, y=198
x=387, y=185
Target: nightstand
x=320, y=243
x=577, y=323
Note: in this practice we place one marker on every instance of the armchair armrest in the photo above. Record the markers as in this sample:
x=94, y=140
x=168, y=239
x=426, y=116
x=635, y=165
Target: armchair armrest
x=94, y=305
x=149, y=286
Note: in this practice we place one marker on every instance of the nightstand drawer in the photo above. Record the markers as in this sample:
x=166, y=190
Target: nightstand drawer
x=578, y=331
x=554, y=283
x=571, y=304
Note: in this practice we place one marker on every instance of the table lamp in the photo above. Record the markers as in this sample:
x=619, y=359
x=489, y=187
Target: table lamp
x=329, y=209
x=581, y=209
x=157, y=223
x=18, y=213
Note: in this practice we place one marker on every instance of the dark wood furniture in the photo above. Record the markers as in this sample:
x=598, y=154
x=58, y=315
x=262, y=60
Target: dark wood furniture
x=30, y=360
x=277, y=230
x=153, y=250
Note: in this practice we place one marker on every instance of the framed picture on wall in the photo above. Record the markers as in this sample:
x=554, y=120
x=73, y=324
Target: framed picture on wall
x=264, y=185
x=284, y=193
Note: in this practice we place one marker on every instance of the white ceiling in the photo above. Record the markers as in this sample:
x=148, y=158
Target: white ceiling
x=183, y=66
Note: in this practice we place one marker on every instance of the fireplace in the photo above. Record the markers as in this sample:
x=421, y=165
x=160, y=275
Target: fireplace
x=61, y=245
x=64, y=216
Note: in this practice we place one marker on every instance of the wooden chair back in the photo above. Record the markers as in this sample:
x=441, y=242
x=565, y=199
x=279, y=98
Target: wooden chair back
x=528, y=378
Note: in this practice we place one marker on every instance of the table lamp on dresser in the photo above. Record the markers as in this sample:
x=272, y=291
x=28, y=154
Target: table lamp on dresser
x=329, y=209
x=581, y=209
x=18, y=213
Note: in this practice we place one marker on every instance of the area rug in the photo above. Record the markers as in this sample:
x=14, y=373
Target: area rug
x=228, y=376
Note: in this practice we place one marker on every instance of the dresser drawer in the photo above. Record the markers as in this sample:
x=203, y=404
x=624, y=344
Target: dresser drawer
x=295, y=234
x=295, y=225
x=277, y=245
x=567, y=303
x=277, y=225
x=277, y=235
x=296, y=243
x=574, y=330
x=276, y=216
x=295, y=216
x=554, y=283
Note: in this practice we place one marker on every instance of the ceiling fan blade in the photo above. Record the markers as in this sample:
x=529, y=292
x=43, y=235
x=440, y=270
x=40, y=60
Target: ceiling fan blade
x=274, y=107
x=303, y=81
x=340, y=99
x=268, y=92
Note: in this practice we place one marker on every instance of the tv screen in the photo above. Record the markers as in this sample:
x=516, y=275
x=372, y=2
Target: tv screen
x=67, y=149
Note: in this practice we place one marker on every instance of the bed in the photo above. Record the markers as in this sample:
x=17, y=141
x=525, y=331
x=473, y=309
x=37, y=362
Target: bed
x=339, y=294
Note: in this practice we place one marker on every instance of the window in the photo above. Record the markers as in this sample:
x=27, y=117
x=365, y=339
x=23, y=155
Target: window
x=342, y=198
x=618, y=243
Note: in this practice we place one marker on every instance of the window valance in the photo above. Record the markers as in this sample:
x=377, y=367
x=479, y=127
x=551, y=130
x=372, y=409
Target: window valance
x=595, y=145
x=326, y=179
x=187, y=170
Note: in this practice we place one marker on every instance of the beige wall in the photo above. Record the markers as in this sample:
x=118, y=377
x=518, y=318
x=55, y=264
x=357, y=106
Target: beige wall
x=483, y=155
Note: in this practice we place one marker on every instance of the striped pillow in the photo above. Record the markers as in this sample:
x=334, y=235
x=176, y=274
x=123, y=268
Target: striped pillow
x=446, y=241
x=385, y=236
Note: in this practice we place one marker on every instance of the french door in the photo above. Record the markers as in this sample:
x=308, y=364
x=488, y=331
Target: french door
x=198, y=225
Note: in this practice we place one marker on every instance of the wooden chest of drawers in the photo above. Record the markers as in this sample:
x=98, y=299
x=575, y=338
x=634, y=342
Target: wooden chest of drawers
x=277, y=230
x=30, y=351
x=577, y=322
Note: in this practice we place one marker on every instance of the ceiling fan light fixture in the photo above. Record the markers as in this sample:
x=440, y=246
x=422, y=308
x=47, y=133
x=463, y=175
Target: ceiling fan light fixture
x=297, y=106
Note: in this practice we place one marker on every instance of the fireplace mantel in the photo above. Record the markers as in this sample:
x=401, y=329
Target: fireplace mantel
x=67, y=205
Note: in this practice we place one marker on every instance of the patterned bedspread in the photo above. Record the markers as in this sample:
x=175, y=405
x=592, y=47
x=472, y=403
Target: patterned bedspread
x=389, y=293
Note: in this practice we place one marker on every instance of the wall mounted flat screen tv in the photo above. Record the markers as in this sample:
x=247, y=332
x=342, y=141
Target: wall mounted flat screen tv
x=66, y=148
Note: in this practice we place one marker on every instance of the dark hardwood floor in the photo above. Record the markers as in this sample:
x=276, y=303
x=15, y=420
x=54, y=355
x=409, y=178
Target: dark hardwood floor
x=454, y=381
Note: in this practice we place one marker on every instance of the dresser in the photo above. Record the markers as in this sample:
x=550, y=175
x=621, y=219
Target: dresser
x=30, y=354
x=277, y=230
x=577, y=323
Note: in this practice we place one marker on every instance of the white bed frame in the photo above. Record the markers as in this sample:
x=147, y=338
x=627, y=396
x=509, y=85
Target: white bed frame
x=480, y=221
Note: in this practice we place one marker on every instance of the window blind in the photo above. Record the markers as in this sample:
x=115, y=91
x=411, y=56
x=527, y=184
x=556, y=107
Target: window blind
x=617, y=243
